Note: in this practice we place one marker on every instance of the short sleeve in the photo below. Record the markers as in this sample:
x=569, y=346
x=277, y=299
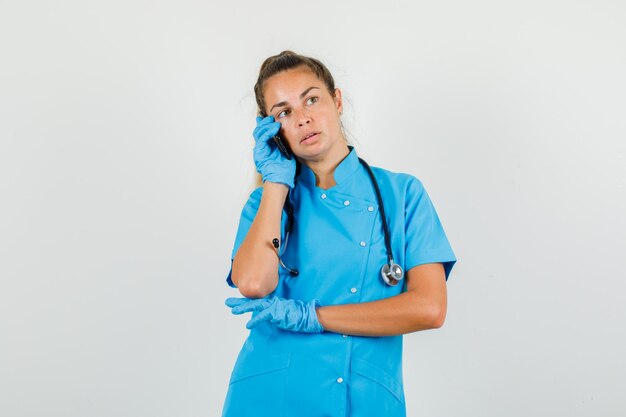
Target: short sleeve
x=245, y=221
x=426, y=241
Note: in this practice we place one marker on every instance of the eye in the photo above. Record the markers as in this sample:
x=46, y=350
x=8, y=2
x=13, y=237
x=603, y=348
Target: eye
x=282, y=114
x=312, y=100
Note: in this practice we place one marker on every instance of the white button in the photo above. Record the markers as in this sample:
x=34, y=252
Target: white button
x=340, y=380
x=345, y=335
x=362, y=243
x=323, y=196
x=370, y=208
x=353, y=290
x=346, y=203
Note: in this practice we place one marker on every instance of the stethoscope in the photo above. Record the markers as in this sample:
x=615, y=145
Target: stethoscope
x=391, y=272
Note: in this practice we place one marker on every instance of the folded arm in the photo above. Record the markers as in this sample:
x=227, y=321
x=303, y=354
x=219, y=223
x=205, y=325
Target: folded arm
x=423, y=306
x=255, y=266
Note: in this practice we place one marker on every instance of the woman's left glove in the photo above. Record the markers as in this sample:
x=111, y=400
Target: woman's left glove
x=294, y=315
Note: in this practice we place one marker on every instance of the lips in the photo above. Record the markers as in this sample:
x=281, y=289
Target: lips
x=308, y=135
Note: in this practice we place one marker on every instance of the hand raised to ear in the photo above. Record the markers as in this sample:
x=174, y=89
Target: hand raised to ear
x=269, y=160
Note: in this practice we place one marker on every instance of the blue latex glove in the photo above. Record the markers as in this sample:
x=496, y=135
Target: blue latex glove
x=294, y=315
x=269, y=161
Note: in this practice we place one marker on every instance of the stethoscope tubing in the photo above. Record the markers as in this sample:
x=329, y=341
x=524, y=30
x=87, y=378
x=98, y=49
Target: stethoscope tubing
x=391, y=272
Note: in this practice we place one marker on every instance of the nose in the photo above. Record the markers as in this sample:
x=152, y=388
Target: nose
x=303, y=117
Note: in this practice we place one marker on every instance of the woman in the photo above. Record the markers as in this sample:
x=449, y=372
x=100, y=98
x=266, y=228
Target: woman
x=326, y=340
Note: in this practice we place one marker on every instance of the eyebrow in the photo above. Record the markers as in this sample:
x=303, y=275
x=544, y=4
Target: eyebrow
x=283, y=103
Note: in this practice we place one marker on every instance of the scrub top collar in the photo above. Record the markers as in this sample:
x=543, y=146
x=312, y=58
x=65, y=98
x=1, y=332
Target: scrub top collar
x=344, y=170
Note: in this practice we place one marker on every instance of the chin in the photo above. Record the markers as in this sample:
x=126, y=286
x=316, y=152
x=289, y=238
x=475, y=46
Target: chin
x=311, y=150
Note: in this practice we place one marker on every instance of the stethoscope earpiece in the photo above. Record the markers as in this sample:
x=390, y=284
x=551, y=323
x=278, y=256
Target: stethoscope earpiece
x=276, y=244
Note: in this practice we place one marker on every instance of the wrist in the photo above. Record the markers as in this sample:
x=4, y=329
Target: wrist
x=277, y=188
x=273, y=197
x=317, y=326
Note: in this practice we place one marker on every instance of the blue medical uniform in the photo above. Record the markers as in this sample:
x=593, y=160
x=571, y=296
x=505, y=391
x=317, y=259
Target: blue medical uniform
x=338, y=246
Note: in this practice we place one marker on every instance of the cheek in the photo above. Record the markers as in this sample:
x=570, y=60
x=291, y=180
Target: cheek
x=287, y=132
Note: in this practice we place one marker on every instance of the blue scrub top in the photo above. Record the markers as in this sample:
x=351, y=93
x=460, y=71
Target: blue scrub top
x=338, y=246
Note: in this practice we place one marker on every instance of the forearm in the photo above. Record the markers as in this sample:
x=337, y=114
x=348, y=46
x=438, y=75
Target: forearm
x=405, y=313
x=255, y=266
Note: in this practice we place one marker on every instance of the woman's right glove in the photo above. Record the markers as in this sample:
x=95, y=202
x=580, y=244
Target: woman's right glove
x=269, y=161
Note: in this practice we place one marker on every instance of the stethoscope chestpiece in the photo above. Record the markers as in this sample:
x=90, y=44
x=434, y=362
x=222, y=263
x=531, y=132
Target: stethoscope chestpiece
x=392, y=273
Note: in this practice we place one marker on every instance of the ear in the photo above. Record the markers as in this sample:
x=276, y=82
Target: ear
x=338, y=100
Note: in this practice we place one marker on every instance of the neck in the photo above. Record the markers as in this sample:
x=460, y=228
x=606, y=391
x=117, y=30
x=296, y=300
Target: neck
x=324, y=168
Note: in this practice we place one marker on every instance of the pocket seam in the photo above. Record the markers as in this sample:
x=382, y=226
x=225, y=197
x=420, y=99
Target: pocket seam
x=265, y=365
x=379, y=376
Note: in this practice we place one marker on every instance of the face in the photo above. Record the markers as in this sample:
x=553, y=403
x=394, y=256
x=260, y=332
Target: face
x=308, y=114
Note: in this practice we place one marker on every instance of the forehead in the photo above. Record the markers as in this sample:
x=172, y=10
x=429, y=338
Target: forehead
x=289, y=84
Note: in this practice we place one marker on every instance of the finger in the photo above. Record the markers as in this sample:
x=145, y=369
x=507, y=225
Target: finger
x=267, y=132
x=264, y=120
x=254, y=305
x=265, y=315
x=235, y=301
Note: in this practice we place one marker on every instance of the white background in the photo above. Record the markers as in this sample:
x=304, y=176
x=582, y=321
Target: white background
x=126, y=156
